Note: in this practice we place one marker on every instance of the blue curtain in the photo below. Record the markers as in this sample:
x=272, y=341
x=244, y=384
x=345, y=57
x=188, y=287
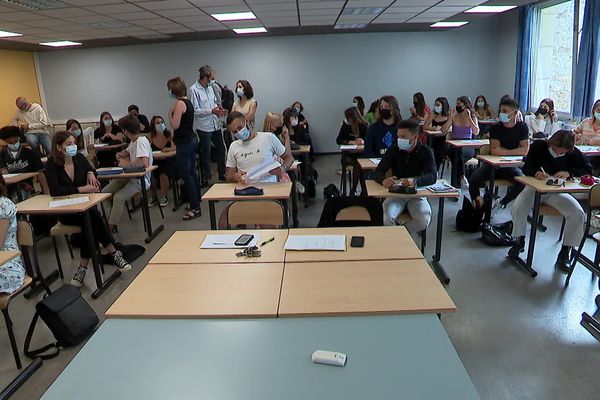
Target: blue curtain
x=524, y=55
x=586, y=70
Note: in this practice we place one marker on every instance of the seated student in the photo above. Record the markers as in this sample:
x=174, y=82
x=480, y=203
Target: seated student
x=420, y=110
x=69, y=172
x=439, y=121
x=16, y=158
x=85, y=138
x=482, y=108
x=414, y=165
x=557, y=157
x=135, y=111
x=371, y=115
x=108, y=133
x=273, y=123
x=137, y=154
x=381, y=134
x=161, y=139
x=544, y=122
x=352, y=131
x=507, y=138
x=359, y=103
x=12, y=272
x=519, y=113
x=588, y=132
x=464, y=126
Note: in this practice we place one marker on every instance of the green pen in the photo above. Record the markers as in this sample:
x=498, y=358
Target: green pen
x=267, y=241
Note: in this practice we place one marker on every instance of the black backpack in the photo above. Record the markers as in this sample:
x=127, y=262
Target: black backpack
x=69, y=317
x=469, y=219
x=331, y=191
x=227, y=98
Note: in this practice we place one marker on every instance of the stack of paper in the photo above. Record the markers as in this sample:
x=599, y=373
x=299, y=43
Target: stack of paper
x=316, y=242
x=6, y=176
x=375, y=161
x=226, y=241
x=68, y=202
x=255, y=174
x=511, y=158
x=348, y=147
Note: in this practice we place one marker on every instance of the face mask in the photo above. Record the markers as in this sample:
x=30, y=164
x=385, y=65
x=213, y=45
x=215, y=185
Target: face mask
x=76, y=132
x=597, y=115
x=171, y=95
x=480, y=104
x=212, y=81
x=385, y=113
x=504, y=118
x=459, y=109
x=107, y=122
x=240, y=92
x=71, y=150
x=437, y=109
x=541, y=111
x=14, y=146
x=297, y=110
x=278, y=130
x=294, y=122
x=553, y=153
x=404, y=144
x=243, y=134
x=354, y=102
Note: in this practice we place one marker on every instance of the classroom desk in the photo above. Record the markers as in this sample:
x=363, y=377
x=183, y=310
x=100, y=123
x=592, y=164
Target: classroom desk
x=280, y=191
x=109, y=147
x=381, y=243
x=6, y=256
x=376, y=190
x=13, y=179
x=495, y=162
x=39, y=205
x=345, y=151
x=145, y=208
x=463, y=144
x=590, y=151
x=164, y=155
x=541, y=188
x=367, y=165
x=184, y=248
x=389, y=357
x=304, y=153
x=357, y=288
x=202, y=291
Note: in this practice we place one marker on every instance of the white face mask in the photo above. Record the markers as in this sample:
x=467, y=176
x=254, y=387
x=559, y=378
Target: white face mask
x=107, y=122
x=346, y=121
x=480, y=104
x=240, y=92
x=553, y=153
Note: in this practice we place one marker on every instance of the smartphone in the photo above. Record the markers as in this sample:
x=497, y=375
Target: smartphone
x=357, y=241
x=244, y=240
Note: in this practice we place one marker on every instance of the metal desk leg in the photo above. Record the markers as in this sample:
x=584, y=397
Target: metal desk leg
x=294, y=202
x=531, y=249
x=100, y=285
x=307, y=169
x=213, y=218
x=344, y=175
x=12, y=387
x=146, y=214
x=437, y=266
x=286, y=218
x=490, y=195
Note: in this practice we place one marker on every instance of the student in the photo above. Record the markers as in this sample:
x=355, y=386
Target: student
x=359, y=103
x=33, y=122
x=557, y=157
x=439, y=121
x=298, y=110
x=69, y=172
x=420, y=110
x=108, y=133
x=84, y=138
x=135, y=111
x=382, y=133
x=245, y=102
x=137, y=154
x=292, y=124
x=273, y=123
x=12, y=273
x=16, y=158
x=161, y=139
x=181, y=119
x=464, y=126
x=414, y=165
x=508, y=137
x=508, y=96
x=352, y=131
x=483, y=110
x=371, y=115
x=544, y=122
x=588, y=132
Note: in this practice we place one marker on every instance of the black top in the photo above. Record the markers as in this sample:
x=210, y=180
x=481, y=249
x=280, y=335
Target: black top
x=574, y=162
x=99, y=132
x=24, y=161
x=59, y=182
x=347, y=135
x=509, y=137
x=438, y=123
x=418, y=164
x=144, y=121
x=185, y=133
x=380, y=137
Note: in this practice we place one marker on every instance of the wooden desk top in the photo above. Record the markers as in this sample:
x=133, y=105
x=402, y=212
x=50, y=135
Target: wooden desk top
x=6, y=256
x=358, y=149
x=366, y=164
x=109, y=147
x=381, y=243
x=294, y=166
x=11, y=179
x=202, y=291
x=355, y=287
x=487, y=121
x=224, y=191
x=184, y=248
x=41, y=204
x=540, y=186
x=161, y=155
x=473, y=143
x=374, y=189
x=304, y=148
x=497, y=161
x=128, y=175
x=435, y=133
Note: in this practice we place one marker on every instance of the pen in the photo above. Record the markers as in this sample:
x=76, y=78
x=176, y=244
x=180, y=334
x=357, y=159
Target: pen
x=543, y=170
x=267, y=241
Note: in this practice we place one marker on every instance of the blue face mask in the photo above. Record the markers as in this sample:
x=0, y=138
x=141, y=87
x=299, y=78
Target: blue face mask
x=243, y=134
x=14, y=146
x=597, y=115
x=437, y=109
x=404, y=144
x=160, y=127
x=504, y=118
x=71, y=150
x=171, y=95
x=107, y=122
x=76, y=132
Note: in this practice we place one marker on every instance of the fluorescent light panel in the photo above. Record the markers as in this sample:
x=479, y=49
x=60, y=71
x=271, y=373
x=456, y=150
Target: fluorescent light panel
x=350, y=26
x=489, y=9
x=4, y=34
x=448, y=24
x=234, y=16
x=61, y=43
x=244, y=31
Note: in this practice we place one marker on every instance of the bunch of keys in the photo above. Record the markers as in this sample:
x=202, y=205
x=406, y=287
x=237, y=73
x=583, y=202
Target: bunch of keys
x=252, y=251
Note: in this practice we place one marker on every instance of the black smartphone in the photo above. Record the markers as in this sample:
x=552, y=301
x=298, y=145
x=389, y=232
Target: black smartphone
x=244, y=240
x=357, y=241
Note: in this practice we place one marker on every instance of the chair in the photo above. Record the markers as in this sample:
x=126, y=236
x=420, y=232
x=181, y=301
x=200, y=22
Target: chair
x=589, y=232
x=5, y=300
x=351, y=211
x=255, y=213
x=27, y=240
x=63, y=230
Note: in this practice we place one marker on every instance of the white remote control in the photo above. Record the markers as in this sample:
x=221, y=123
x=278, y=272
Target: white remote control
x=329, y=358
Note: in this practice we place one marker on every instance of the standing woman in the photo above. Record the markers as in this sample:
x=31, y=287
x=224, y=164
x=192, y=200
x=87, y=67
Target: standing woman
x=84, y=138
x=439, y=121
x=420, y=110
x=465, y=126
x=544, y=122
x=181, y=119
x=12, y=272
x=161, y=139
x=108, y=133
x=245, y=102
x=359, y=103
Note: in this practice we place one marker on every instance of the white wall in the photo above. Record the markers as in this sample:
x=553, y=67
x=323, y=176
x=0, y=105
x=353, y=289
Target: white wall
x=323, y=71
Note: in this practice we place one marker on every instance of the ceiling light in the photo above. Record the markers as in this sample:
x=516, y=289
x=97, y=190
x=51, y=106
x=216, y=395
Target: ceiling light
x=489, y=9
x=243, y=31
x=4, y=34
x=362, y=10
x=34, y=5
x=61, y=43
x=234, y=16
x=350, y=26
x=448, y=24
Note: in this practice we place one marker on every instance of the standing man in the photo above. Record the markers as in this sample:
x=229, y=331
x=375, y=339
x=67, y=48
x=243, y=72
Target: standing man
x=33, y=122
x=206, y=122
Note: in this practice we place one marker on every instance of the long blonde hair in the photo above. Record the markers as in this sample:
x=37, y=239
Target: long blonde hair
x=271, y=120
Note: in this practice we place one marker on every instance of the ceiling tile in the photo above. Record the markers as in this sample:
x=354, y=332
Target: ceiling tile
x=421, y=19
x=399, y=3
x=115, y=9
x=134, y=16
x=280, y=22
x=93, y=19
x=165, y=5
x=194, y=19
x=469, y=3
x=258, y=8
x=317, y=5
x=85, y=3
x=403, y=10
x=180, y=29
x=368, y=3
x=22, y=16
x=225, y=9
x=278, y=13
x=327, y=13
x=181, y=12
x=213, y=3
x=66, y=12
x=393, y=18
x=316, y=23
x=449, y=9
x=205, y=28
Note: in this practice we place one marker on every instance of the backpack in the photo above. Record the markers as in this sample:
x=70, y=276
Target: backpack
x=330, y=191
x=497, y=235
x=469, y=219
x=68, y=316
x=227, y=98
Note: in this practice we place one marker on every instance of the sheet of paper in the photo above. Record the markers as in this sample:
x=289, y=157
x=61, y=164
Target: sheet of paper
x=227, y=241
x=511, y=158
x=256, y=173
x=68, y=201
x=9, y=175
x=375, y=161
x=316, y=242
x=348, y=147
x=581, y=148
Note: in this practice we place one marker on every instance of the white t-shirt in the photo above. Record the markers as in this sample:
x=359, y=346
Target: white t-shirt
x=141, y=148
x=246, y=155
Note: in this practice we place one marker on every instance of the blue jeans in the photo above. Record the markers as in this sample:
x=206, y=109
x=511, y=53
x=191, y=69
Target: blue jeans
x=187, y=170
x=216, y=138
x=35, y=139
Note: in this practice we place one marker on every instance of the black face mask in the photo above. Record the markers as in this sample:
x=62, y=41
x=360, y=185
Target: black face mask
x=541, y=111
x=459, y=109
x=278, y=131
x=415, y=103
x=385, y=113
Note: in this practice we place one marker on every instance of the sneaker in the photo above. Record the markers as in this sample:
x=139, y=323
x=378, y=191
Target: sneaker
x=464, y=184
x=300, y=187
x=152, y=202
x=121, y=263
x=79, y=276
x=517, y=248
x=164, y=202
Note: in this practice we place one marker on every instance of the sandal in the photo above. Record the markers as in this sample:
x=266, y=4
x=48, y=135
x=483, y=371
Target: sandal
x=192, y=214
